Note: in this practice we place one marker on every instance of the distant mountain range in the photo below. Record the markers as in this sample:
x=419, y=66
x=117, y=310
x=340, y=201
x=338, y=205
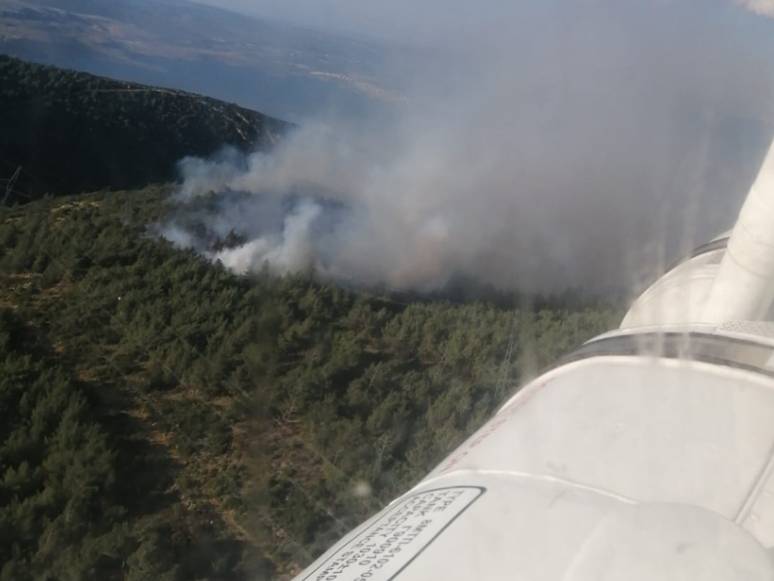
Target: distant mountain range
x=73, y=132
x=287, y=71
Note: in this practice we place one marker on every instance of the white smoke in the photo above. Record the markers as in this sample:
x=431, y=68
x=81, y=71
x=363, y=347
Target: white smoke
x=289, y=251
x=762, y=7
x=549, y=160
x=178, y=236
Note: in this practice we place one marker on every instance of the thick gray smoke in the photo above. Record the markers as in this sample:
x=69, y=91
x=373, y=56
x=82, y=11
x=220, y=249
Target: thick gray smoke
x=577, y=147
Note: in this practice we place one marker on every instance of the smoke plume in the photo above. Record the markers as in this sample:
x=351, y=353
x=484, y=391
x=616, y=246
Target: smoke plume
x=585, y=146
x=762, y=7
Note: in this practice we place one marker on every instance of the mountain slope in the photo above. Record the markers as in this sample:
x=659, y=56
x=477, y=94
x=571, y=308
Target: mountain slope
x=72, y=132
x=216, y=426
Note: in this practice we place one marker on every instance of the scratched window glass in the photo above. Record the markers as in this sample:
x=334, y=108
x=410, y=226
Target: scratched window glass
x=421, y=289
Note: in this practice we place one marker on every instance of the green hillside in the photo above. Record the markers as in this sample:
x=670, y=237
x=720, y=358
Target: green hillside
x=73, y=132
x=161, y=418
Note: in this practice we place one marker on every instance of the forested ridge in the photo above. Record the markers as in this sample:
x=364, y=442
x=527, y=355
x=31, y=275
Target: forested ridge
x=162, y=418
x=71, y=132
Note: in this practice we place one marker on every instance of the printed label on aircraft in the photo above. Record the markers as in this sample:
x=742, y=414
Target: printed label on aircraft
x=388, y=545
